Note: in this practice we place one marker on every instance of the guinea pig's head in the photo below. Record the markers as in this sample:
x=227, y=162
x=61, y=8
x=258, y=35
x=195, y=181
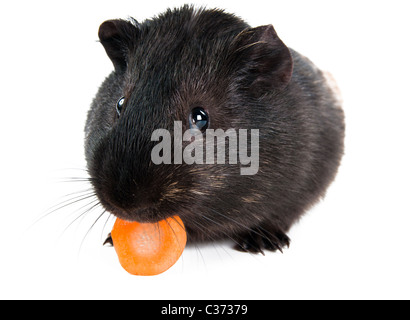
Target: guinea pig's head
x=202, y=68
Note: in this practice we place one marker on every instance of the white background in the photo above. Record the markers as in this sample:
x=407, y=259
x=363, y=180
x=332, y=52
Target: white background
x=353, y=245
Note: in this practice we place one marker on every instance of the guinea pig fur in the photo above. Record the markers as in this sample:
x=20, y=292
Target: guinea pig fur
x=242, y=78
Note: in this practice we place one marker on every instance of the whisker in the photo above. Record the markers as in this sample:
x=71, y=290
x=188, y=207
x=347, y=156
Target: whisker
x=93, y=204
x=221, y=225
x=89, y=229
x=76, y=194
x=73, y=169
x=75, y=179
x=158, y=231
x=181, y=225
x=64, y=204
x=223, y=247
x=198, y=250
x=226, y=234
x=246, y=227
x=105, y=225
x=173, y=231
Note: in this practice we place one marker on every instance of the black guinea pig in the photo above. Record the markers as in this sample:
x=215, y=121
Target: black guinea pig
x=207, y=69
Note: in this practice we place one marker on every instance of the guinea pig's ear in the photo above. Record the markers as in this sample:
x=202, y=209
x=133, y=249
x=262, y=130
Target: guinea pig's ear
x=117, y=37
x=266, y=60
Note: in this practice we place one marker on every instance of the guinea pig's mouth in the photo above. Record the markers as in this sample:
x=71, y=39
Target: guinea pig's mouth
x=141, y=214
x=146, y=211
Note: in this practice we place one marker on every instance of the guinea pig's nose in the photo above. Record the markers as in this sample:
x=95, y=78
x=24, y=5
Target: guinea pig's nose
x=134, y=192
x=123, y=179
x=130, y=203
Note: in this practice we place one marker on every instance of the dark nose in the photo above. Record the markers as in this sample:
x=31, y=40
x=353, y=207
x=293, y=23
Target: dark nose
x=127, y=197
x=124, y=181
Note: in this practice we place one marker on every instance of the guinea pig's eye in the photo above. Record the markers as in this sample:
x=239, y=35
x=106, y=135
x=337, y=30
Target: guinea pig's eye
x=198, y=119
x=120, y=104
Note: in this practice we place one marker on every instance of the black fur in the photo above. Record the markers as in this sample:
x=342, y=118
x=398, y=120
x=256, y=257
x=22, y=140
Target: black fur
x=245, y=78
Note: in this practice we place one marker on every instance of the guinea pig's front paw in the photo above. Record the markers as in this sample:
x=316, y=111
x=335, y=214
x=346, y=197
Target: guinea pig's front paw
x=108, y=242
x=262, y=238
